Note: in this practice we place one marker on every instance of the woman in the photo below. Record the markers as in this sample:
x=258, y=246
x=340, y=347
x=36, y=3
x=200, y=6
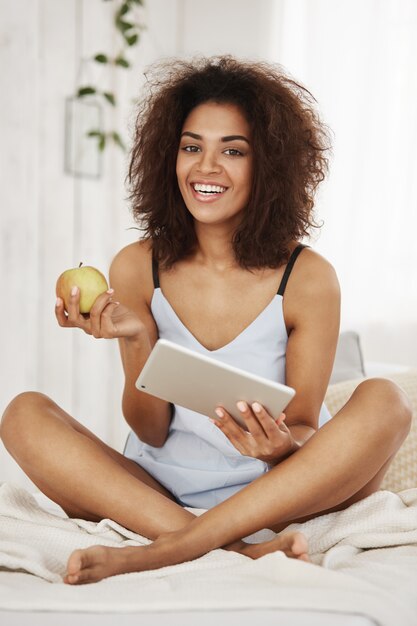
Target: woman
x=225, y=163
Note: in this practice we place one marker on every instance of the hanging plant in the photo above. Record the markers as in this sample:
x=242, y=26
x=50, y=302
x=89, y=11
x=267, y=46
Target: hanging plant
x=129, y=28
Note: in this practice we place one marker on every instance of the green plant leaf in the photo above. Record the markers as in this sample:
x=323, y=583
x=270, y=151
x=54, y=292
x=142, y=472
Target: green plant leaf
x=101, y=58
x=110, y=98
x=124, y=10
x=132, y=40
x=124, y=19
x=122, y=62
x=118, y=140
x=124, y=26
x=85, y=91
x=100, y=136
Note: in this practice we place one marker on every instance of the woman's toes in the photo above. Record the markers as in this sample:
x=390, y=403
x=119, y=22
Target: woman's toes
x=84, y=565
x=294, y=545
x=298, y=545
x=74, y=564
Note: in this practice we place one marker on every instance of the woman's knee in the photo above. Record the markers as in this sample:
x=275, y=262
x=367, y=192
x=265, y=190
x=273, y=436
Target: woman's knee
x=392, y=404
x=21, y=414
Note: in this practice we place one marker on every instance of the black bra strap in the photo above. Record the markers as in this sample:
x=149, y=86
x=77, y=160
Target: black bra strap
x=155, y=273
x=289, y=267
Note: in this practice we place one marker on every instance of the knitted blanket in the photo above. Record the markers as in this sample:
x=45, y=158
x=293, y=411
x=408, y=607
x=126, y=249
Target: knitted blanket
x=364, y=561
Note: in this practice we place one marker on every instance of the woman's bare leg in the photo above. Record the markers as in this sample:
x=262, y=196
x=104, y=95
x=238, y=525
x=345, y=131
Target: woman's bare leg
x=55, y=450
x=342, y=463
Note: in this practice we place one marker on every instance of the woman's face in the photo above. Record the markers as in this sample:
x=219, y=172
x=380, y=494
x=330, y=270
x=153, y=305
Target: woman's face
x=215, y=162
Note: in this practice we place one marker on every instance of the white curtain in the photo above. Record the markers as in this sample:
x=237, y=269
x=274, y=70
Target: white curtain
x=358, y=58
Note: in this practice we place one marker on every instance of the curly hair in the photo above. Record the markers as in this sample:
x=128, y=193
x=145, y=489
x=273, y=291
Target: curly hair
x=289, y=146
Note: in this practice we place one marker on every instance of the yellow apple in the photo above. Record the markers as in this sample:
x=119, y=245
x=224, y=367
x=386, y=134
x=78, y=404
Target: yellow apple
x=89, y=281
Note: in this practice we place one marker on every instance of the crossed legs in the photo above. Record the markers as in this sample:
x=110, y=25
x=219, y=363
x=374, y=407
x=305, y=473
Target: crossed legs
x=55, y=450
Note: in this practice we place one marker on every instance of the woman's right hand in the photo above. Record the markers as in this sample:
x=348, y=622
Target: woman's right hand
x=107, y=319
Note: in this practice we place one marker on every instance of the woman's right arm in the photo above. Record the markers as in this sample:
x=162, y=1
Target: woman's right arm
x=125, y=314
x=131, y=279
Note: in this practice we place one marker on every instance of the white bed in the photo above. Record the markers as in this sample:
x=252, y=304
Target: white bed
x=191, y=618
x=364, y=568
x=352, y=586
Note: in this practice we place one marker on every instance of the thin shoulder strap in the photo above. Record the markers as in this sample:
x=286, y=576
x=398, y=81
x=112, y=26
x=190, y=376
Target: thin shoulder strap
x=289, y=267
x=155, y=272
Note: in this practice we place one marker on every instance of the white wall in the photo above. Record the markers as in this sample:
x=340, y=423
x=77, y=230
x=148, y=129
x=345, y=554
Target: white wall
x=49, y=220
x=238, y=27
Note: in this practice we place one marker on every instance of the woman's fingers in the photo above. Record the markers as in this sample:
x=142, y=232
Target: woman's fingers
x=258, y=422
x=60, y=312
x=229, y=426
x=108, y=327
x=73, y=309
x=107, y=319
x=248, y=440
x=281, y=423
x=270, y=426
x=251, y=421
x=264, y=438
x=96, y=312
x=72, y=317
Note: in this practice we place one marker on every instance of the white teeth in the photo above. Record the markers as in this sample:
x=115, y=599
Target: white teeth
x=208, y=188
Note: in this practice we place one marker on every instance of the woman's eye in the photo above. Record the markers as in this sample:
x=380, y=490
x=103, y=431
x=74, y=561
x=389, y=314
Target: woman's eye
x=233, y=152
x=191, y=148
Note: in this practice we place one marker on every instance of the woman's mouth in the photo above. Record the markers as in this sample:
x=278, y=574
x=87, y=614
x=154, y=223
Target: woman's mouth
x=207, y=193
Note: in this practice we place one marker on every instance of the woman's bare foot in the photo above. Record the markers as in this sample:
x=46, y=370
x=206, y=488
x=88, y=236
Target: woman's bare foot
x=98, y=562
x=293, y=544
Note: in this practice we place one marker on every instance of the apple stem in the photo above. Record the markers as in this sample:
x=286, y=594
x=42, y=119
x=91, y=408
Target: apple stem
x=80, y=264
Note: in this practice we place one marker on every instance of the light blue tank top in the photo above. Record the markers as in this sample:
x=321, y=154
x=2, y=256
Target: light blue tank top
x=197, y=463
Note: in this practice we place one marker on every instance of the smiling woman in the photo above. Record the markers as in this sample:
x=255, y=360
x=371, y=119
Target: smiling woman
x=277, y=122
x=226, y=160
x=214, y=163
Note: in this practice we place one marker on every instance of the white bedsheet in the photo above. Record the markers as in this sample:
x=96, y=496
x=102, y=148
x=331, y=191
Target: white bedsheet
x=364, y=561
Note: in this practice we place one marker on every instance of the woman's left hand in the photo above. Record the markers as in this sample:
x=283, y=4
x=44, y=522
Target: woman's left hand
x=265, y=439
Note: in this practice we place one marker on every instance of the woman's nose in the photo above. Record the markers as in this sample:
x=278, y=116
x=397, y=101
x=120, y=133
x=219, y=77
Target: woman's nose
x=208, y=162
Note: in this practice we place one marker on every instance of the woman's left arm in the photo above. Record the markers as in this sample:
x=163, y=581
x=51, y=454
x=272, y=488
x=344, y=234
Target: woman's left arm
x=312, y=316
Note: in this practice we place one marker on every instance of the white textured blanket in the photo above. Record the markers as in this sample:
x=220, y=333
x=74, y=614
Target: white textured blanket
x=364, y=561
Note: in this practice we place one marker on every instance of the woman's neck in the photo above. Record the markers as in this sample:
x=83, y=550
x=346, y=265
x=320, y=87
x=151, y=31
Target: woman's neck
x=214, y=248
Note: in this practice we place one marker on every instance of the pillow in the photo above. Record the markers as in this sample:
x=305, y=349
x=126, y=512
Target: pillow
x=348, y=362
x=402, y=473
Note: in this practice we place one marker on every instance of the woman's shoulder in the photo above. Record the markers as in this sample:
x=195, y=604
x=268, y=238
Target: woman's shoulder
x=133, y=257
x=133, y=264
x=314, y=264
x=313, y=275
x=312, y=295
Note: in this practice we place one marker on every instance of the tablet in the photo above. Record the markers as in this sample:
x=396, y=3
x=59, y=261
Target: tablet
x=201, y=383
